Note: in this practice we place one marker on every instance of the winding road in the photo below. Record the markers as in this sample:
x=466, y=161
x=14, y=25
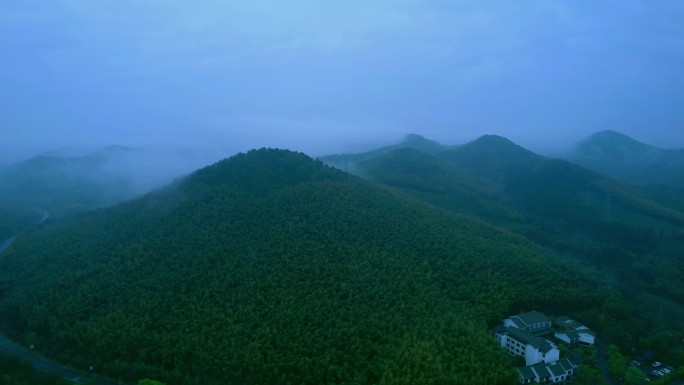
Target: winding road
x=13, y=349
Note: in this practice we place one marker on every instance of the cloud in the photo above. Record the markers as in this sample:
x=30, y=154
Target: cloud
x=264, y=71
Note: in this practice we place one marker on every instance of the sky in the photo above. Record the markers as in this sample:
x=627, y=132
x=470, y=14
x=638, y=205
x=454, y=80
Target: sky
x=330, y=76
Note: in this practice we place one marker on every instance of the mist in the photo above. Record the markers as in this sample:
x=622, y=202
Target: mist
x=222, y=77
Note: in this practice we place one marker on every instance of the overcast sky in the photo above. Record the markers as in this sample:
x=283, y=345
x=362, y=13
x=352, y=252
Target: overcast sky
x=326, y=76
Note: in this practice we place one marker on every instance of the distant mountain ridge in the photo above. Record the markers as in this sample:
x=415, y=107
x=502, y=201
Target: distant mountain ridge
x=348, y=162
x=620, y=156
x=75, y=184
x=507, y=172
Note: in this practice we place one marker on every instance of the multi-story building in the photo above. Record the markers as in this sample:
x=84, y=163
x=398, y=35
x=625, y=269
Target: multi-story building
x=518, y=342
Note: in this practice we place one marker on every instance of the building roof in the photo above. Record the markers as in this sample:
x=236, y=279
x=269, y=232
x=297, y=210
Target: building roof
x=573, y=335
x=569, y=324
x=541, y=370
x=556, y=369
x=527, y=338
x=567, y=364
x=533, y=317
x=518, y=322
x=526, y=372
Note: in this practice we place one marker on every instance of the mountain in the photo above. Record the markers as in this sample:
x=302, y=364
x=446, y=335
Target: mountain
x=62, y=185
x=491, y=154
x=15, y=219
x=622, y=157
x=632, y=234
x=493, y=171
x=545, y=187
x=271, y=268
x=433, y=180
x=70, y=185
x=348, y=162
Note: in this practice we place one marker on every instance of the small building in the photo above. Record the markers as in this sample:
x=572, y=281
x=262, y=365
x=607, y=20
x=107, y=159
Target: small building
x=518, y=342
x=527, y=375
x=573, y=332
x=560, y=371
x=542, y=374
x=568, y=366
x=557, y=372
x=534, y=322
x=570, y=337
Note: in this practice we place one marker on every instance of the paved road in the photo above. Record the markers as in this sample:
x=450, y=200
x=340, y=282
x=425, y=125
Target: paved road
x=601, y=353
x=10, y=348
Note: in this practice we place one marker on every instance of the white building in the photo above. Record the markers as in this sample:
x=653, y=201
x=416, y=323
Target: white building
x=573, y=332
x=556, y=372
x=520, y=335
x=519, y=342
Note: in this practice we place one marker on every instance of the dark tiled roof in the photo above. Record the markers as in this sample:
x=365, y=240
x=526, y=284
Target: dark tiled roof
x=533, y=317
x=567, y=364
x=526, y=372
x=572, y=334
x=518, y=322
x=556, y=369
x=541, y=370
x=563, y=319
x=527, y=338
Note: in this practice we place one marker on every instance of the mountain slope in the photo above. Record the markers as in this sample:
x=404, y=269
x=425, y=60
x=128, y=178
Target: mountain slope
x=349, y=162
x=71, y=185
x=632, y=234
x=545, y=187
x=622, y=157
x=442, y=184
x=62, y=185
x=271, y=268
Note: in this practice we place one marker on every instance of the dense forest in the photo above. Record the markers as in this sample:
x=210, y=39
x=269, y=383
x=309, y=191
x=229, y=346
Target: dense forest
x=13, y=219
x=16, y=372
x=631, y=234
x=272, y=268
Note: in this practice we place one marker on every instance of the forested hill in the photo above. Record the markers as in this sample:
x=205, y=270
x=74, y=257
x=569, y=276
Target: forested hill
x=348, y=162
x=272, y=268
x=620, y=156
x=77, y=184
x=632, y=234
x=65, y=185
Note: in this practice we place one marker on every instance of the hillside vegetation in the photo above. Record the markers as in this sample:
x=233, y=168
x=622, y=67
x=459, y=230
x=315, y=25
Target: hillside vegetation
x=619, y=156
x=632, y=234
x=272, y=268
x=73, y=185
